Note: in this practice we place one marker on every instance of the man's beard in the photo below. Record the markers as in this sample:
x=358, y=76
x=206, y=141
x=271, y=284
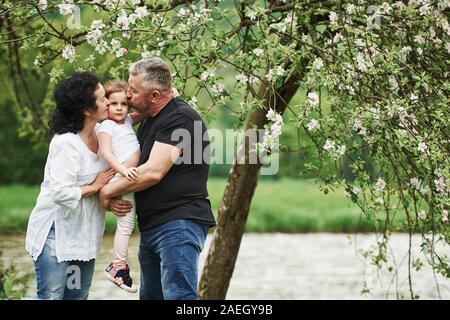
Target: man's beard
x=137, y=108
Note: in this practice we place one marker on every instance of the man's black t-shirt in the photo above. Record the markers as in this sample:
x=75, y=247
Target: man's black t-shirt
x=182, y=193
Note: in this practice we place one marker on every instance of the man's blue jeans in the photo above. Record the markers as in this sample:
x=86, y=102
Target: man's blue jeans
x=67, y=280
x=168, y=255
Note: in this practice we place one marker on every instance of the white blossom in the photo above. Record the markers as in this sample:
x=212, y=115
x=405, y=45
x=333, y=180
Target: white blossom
x=432, y=32
x=333, y=18
x=182, y=12
x=217, y=89
x=273, y=73
x=415, y=183
x=444, y=216
x=120, y=52
x=269, y=76
x=362, y=62
x=422, y=215
x=341, y=150
x=241, y=78
x=115, y=43
x=42, y=4
x=279, y=71
x=419, y=39
x=66, y=8
x=393, y=83
x=123, y=21
x=350, y=8
x=406, y=49
x=209, y=73
x=313, y=99
x=422, y=147
x=337, y=38
x=258, y=52
x=329, y=145
x=251, y=14
x=194, y=100
x=313, y=125
x=68, y=52
x=318, y=64
x=440, y=185
x=413, y=97
x=272, y=132
x=356, y=190
x=101, y=47
x=380, y=185
x=425, y=190
x=140, y=12
x=93, y=37
x=273, y=116
x=386, y=7
x=97, y=24
x=360, y=42
x=400, y=6
x=425, y=9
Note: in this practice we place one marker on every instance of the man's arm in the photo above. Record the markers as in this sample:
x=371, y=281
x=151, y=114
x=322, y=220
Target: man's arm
x=161, y=159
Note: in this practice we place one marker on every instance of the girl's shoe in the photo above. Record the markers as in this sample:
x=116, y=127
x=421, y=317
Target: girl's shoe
x=121, y=278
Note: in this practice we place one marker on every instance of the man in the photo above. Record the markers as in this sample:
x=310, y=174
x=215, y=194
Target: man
x=172, y=205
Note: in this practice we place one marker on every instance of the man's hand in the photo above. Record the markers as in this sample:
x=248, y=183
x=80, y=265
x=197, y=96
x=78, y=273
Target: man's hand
x=120, y=207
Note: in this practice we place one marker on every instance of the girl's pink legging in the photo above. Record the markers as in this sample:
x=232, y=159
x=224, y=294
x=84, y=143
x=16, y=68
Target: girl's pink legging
x=125, y=225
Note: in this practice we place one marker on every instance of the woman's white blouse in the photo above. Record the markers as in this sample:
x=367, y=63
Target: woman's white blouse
x=79, y=222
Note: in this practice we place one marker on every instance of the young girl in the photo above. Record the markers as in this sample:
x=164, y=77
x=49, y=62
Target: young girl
x=119, y=146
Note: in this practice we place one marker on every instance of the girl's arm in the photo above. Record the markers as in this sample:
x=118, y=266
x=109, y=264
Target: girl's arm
x=105, y=146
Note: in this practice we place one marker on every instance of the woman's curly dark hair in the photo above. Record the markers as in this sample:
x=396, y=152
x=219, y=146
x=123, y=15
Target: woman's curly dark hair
x=73, y=96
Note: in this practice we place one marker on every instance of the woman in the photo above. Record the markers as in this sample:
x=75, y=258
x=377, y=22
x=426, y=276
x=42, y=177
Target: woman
x=66, y=225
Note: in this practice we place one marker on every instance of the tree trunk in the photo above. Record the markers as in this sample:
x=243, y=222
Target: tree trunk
x=234, y=208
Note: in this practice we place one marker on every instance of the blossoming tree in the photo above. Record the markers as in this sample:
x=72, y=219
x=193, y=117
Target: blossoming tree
x=381, y=66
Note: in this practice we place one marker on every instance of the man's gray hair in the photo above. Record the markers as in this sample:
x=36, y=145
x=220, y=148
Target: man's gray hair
x=155, y=73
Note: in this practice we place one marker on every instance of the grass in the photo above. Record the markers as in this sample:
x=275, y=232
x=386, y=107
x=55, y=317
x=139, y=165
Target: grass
x=284, y=205
x=289, y=205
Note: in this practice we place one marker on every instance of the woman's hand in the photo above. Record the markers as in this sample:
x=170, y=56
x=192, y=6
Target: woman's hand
x=130, y=173
x=103, y=178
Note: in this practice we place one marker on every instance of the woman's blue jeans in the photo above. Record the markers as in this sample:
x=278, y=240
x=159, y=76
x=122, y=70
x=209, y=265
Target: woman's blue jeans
x=168, y=256
x=67, y=280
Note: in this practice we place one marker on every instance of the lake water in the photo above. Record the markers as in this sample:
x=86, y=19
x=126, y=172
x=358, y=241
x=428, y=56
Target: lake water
x=284, y=266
